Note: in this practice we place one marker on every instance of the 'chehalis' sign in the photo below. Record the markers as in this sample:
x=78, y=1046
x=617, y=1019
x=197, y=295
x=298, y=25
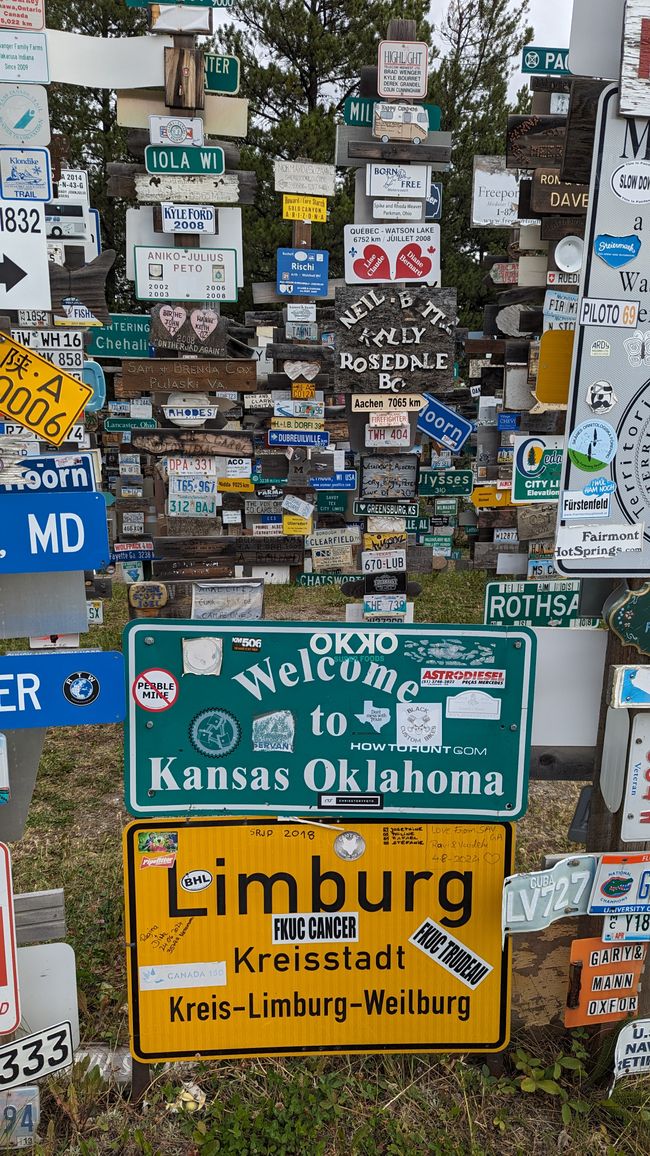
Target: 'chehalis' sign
x=318, y=718
x=261, y=937
x=394, y=340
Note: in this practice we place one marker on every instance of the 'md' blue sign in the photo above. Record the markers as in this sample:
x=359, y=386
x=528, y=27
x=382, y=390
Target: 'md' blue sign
x=52, y=532
x=443, y=424
x=302, y=272
x=64, y=688
x=341, y=480
x=54, y=475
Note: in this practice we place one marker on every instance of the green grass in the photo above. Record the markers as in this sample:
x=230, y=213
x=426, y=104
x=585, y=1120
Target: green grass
x=341, y=1106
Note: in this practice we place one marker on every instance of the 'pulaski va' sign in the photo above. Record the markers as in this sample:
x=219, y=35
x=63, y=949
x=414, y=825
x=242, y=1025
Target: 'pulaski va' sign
x=260, y=937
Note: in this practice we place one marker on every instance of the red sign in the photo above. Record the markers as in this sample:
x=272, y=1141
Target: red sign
x=9, y=1001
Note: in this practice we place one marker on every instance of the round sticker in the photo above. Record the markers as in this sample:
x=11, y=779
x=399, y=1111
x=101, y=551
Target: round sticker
x=592, y=446
x=81, y=688
x=631, y=466
x=155, y=690
x=215, y=732
x=601, y=397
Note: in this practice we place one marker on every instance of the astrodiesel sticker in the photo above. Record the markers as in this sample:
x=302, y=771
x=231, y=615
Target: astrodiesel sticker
x=592, y=445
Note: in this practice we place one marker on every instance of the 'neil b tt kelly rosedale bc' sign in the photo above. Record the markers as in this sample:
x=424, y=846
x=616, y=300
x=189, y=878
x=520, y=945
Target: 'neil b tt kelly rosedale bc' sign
x=287, y=718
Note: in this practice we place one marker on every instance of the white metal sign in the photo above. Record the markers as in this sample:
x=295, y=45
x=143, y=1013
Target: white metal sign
x=35, y=1056
x=495, y=193
x=24, y=268
x=632, y=1056
x=621, y=885
x=9, y=999
x=394, y=180
x=397, y=210
x=535, y=899
x=176, y=130
x=72, y=185
x=24, y=114
x=374, y=561
x=384, y=253
x=25, y=174
x=626, y=928
x=185, y=274
x=63, y=347
x=23, y=14
x=305, y=177
x=403, y=68
x=23, y=57
x=188, y=218
x=636, y=800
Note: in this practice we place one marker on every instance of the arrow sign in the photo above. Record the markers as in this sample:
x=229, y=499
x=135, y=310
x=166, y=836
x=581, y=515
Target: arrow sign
x=10, y=273
x=24, y=267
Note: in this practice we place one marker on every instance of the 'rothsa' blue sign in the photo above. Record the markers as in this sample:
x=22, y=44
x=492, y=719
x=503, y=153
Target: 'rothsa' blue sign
x=52, y=532
x=61, y=689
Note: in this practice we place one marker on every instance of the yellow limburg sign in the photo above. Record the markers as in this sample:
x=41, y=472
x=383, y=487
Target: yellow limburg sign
x=295, y=208
x=260, y=937
x=37, y=394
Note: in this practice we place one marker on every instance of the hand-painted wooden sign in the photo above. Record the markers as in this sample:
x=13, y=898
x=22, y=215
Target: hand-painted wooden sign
x=188, y=329
x=634, y=96
x=533, y=141
x=223, y=190
x=551, y=195
x=394, y=340
x=193, y=442
x=214, y=375
x=389, y=476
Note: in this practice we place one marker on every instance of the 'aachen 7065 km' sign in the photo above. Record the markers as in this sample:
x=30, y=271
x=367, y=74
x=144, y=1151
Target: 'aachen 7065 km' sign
x=291, y=718
x=260, y=937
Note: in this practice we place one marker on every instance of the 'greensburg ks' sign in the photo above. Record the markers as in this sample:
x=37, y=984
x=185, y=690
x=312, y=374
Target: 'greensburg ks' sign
x=288, y=718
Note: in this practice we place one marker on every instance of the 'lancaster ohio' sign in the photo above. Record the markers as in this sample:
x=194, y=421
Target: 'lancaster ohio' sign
x=318, y=718
x=394, y=340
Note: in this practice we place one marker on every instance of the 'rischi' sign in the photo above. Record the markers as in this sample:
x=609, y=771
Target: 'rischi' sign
x=394, y=340
x=286, y=718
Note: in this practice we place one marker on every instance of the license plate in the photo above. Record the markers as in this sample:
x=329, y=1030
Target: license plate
x=627, y=928
x=95, y=612
x=35, y=1056
x=534, y=900
x=20, y=1112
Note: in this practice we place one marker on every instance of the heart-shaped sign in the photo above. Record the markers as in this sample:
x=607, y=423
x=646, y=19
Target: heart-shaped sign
x=373, y=265
x=411, y=263
x=617, y=251
x=306, y=369
x=172, y=319
x=204, y=322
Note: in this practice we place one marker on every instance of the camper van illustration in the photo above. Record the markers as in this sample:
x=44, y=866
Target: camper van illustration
x=407, y=122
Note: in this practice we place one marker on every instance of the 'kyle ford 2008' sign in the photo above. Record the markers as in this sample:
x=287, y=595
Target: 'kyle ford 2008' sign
x=288, y=718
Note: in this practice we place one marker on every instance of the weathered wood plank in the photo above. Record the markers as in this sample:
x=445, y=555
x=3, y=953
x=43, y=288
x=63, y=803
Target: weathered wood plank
x=533, y=141
x=192, y=442
x=159, y=375
x=397, y=151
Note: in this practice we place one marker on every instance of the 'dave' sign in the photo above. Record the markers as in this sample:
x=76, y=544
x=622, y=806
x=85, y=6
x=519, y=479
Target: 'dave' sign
x=366, y=937
x=287, y=718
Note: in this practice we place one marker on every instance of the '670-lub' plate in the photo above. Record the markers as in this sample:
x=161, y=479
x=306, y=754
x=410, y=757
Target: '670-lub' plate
x=285, y=718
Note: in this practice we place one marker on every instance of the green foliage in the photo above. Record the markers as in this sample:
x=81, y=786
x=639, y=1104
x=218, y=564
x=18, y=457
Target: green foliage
x=562, y=1078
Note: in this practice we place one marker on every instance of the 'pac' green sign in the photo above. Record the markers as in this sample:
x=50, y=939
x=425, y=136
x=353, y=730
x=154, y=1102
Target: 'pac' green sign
x=296, y=718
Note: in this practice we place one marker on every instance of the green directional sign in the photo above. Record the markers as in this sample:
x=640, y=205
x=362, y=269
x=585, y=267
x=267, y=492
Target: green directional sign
x=358, y=111
x=326, y=719
x=545, y=61
x=126, y=336
x=221, y=73
x=331, y=502
x=554, y=603
x=191, y=161
x=118, y=424
x=445, y=483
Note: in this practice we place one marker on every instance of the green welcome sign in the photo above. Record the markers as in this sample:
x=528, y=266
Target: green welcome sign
x=314, y=718
x=443, y=483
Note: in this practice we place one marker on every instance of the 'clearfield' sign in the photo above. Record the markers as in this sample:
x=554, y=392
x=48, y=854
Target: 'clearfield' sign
x=289, y=718
x=261, y=937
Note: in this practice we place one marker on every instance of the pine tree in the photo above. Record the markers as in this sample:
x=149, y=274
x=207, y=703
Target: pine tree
x=299, y=61
x=87, y=118
x=481, y=41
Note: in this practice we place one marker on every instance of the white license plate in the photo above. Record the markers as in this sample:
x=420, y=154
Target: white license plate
x=627, y=928
x=20, y=1112
x=35, y=1056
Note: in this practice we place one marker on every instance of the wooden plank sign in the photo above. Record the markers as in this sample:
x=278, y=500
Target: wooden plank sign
x=155, y=375
x=535, y=140
x=634, y=93
x=192, y=442
x=222, y=115
x=200, y=330
x=184, y=78
x=368, y=323
x=581, y=129
x=79, y=295
x=549, y=194
x=217, y=190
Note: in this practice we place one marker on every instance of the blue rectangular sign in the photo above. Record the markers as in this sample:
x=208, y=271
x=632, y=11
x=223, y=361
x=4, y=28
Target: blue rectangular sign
x=61, y=688
x=290, y=437
x=340, y=480
x=52, y=532
x=302, y=272
x=433, y=206
x=444, y=424
x=54, y=475
x=508, y=420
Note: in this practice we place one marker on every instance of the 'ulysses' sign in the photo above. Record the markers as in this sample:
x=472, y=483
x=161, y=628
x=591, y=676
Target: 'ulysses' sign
x=318, y=718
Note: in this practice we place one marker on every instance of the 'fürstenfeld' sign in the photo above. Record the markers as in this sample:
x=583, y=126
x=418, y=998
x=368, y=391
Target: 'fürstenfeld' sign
x=318, y=718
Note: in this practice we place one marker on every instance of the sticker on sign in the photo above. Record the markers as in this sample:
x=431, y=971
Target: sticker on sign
x=155, y=690
x=613, y=314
